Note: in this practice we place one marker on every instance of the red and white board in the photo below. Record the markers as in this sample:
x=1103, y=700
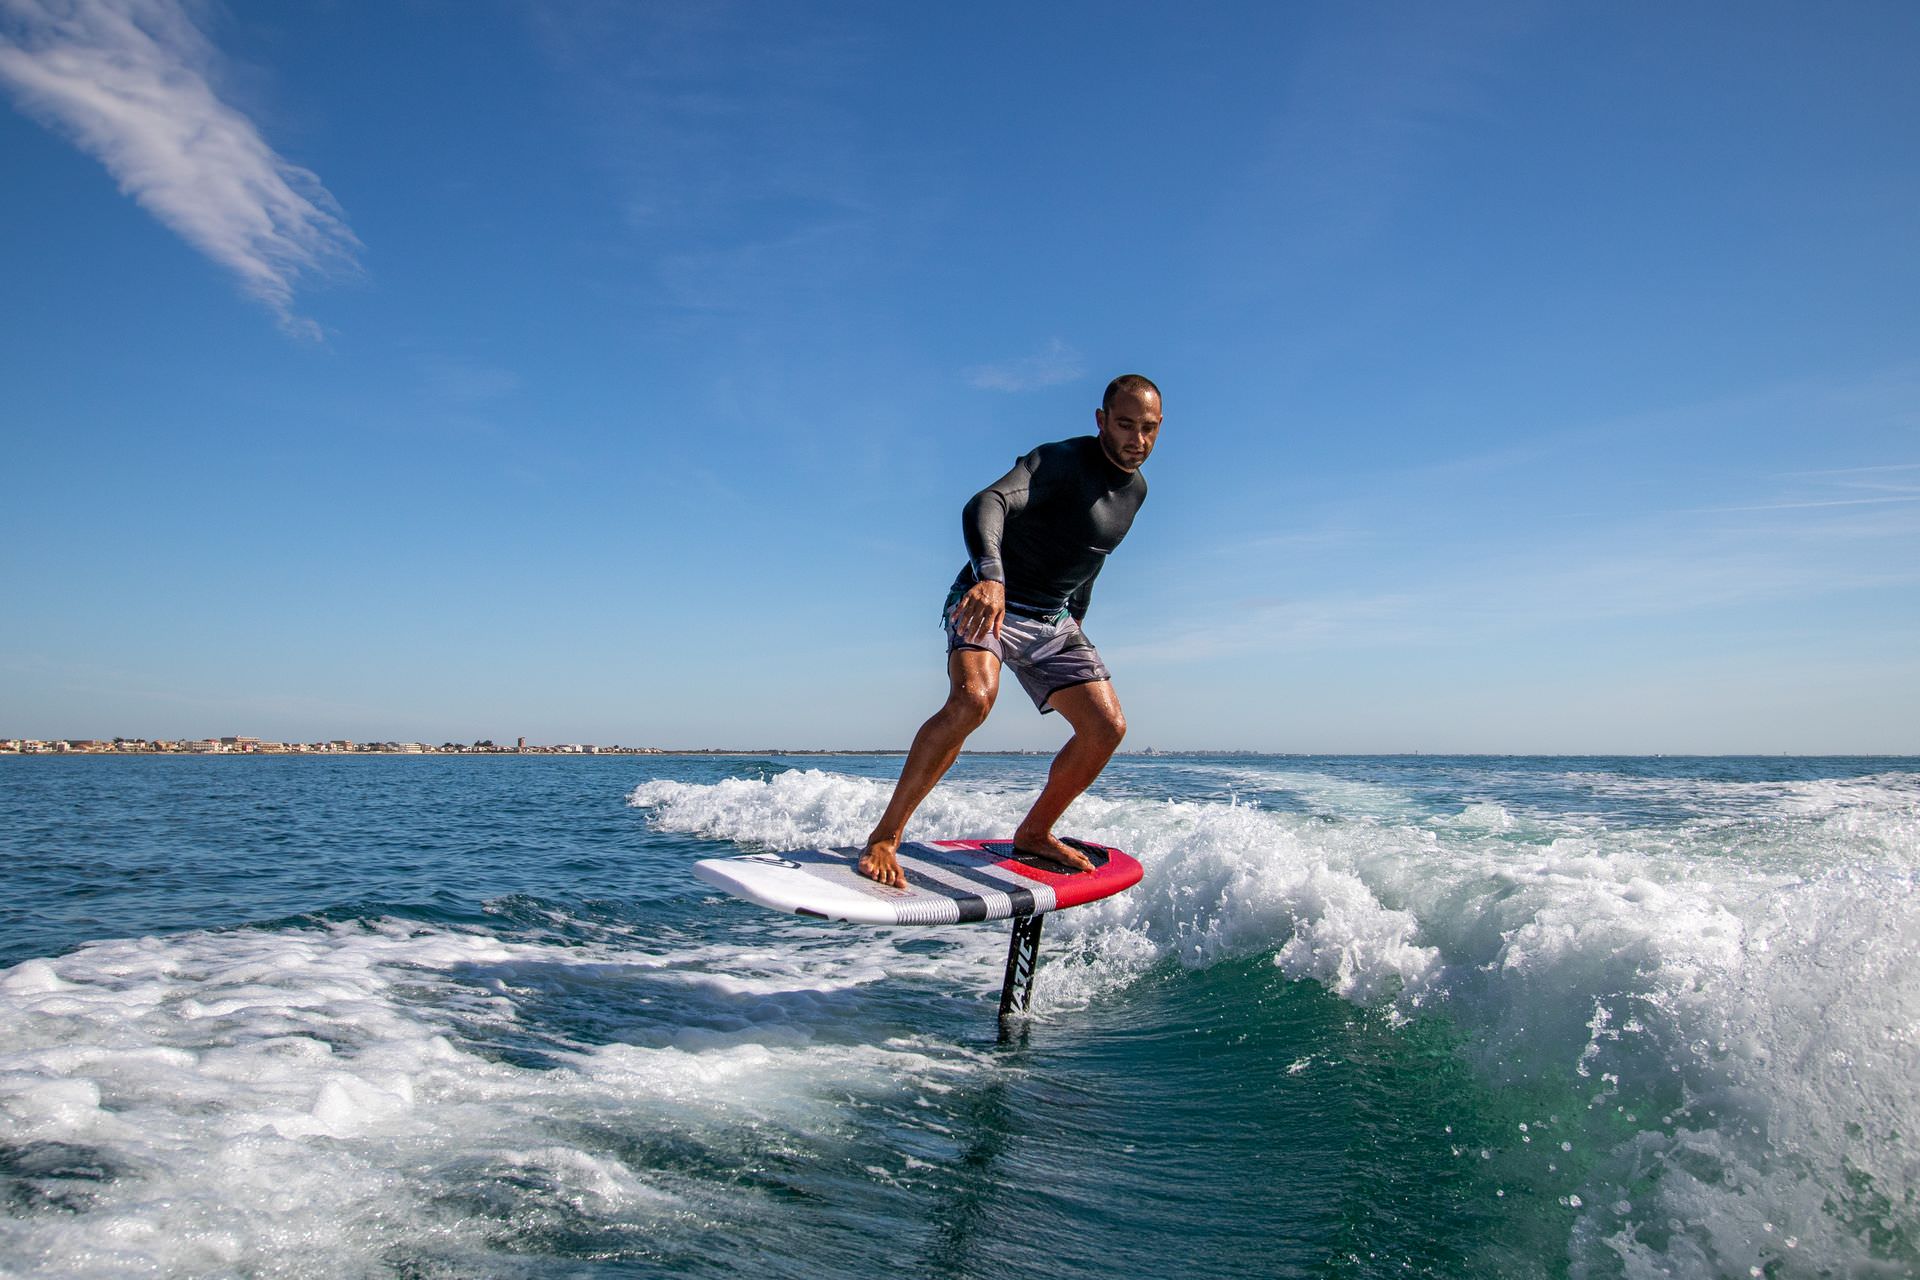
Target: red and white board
x=948, y=882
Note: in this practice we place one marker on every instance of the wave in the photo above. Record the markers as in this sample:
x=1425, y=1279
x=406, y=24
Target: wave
x=1725, y=1002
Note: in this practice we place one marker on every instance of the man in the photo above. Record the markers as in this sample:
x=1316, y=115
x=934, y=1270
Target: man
x=1036, y=538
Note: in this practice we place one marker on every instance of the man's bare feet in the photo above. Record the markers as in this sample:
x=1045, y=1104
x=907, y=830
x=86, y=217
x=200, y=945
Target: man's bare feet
x=880, y=863
x=1049, y=846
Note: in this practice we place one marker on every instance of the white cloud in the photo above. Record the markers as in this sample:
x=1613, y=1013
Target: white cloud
x=1052, y=365
x=1653, y=571
x=129, y=82
x=1888, y=483
x=1863, y=471
x=1824, y=502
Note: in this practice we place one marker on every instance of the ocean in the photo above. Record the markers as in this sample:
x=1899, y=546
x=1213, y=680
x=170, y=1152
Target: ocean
x=1365, y=1017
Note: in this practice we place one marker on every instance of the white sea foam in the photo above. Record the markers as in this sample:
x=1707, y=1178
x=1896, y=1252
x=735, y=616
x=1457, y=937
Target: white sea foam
x=1879, y=797
x=1742, y=977
x=1224, y=880
x=318, y=1102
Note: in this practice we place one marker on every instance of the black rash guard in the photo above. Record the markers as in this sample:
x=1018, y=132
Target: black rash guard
x=1046, y=526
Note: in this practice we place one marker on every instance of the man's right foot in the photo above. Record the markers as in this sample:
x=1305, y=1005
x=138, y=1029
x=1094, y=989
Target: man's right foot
x=880, y=862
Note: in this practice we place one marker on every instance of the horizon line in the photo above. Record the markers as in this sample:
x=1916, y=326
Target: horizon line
x=19, y=746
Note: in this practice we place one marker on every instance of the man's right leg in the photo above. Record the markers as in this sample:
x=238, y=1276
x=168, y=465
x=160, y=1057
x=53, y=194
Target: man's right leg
x=973, y=677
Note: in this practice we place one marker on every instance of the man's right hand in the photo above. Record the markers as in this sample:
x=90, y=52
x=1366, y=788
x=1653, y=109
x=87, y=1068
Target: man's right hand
x=980, y=611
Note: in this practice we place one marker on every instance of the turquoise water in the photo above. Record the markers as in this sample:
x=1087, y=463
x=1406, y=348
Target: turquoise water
x=1364, y=1017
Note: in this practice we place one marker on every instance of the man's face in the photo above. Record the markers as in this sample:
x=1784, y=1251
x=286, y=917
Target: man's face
x=1129, y=428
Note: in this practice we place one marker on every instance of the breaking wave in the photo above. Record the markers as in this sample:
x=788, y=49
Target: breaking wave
x=1724, y=1003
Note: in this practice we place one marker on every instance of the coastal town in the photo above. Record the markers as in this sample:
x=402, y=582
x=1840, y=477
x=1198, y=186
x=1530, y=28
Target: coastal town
x=261, y=746
x=483, y=747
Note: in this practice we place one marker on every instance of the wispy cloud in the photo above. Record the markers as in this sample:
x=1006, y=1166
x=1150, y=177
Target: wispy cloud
x=1892, y=482
x=1863, y=471
x=1294, y=540
x=130, y=82
x=1655, y=570
x=1822, y=502
x=1339, y=621
x=1052, y=365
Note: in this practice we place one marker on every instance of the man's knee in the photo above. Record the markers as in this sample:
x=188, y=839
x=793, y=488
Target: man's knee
x=973, y=684
x=1096, y=715
x=969, y=704
x=1093, y=711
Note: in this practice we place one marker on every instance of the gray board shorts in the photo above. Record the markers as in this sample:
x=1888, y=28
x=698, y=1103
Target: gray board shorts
x=1046, y=654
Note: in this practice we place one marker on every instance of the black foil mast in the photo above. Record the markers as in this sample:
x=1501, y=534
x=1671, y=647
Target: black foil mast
x=1023, y=956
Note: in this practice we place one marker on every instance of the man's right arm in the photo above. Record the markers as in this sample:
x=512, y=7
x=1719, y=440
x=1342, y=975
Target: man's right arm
x=979, y=613
x=984, y=521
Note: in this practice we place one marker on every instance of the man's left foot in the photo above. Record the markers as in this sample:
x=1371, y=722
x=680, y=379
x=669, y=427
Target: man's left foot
x=1053, y=849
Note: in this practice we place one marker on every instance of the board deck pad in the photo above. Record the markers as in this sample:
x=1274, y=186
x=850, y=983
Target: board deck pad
x=948, y=882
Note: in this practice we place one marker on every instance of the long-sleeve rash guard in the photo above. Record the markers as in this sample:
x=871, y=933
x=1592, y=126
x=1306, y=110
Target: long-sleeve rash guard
x=1046, y=527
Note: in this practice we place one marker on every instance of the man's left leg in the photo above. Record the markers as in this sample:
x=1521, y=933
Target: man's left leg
x=1093, y=710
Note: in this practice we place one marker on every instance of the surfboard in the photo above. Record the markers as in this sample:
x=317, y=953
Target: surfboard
x=948, y=882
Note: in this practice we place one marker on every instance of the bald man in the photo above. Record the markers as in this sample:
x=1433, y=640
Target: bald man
x=1036, y=539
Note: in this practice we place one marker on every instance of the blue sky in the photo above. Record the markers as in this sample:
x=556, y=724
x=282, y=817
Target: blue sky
x=1538, y=378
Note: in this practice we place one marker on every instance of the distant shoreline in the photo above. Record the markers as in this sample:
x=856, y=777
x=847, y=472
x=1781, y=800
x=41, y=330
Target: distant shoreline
x=1040, y=752
x=552, y=752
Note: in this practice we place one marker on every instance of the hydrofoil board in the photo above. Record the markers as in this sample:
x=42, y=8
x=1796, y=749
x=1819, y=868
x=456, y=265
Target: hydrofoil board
x=948, y=882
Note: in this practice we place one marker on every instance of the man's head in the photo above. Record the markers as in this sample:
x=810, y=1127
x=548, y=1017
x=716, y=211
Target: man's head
x=1129, y=420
